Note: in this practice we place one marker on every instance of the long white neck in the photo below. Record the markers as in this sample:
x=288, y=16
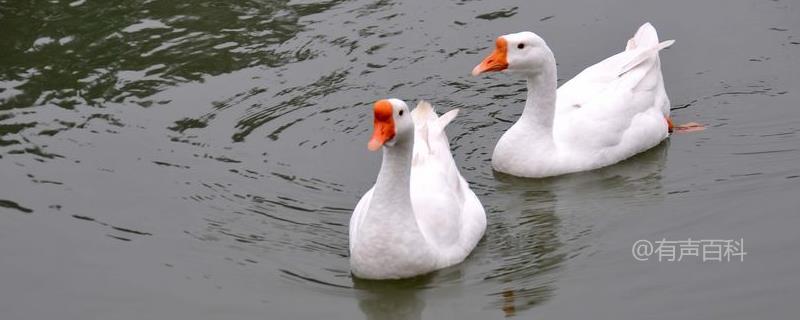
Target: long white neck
x=541, y=102
x=389, y=242
x=391, y=199
x=531, y=137
x=394, y=179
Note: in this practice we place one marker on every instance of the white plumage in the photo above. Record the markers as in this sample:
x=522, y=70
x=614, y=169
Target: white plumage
x=421, y=214
x=607, y=113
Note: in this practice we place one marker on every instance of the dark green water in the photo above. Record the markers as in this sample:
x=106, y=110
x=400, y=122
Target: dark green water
x=200, y=160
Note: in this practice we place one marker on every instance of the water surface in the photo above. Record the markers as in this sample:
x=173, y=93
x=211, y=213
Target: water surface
x=166, y=160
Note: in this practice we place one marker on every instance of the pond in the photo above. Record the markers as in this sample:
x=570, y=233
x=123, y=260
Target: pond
x=201, y=159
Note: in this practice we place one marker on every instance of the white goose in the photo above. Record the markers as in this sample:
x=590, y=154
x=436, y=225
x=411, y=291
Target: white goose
x=607, y=113
x=421, y=214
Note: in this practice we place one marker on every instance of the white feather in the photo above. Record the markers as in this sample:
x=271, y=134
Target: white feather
x=607, y=113
x=447, y=219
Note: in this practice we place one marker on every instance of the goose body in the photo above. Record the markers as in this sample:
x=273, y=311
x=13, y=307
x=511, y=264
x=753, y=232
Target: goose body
x=607, y=113
x=420, y=215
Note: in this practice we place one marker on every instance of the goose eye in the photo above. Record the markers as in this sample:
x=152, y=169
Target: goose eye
x=521, y=46
x=400, y=113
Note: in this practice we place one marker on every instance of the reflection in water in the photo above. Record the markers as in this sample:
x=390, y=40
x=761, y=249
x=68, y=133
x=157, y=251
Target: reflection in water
x=90, y=55
x=524, y=241
x=535, y=245
x=99, y=51
x=392, y=299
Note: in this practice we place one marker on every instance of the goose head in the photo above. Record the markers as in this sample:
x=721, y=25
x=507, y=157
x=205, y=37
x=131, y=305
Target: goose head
x=392, y=124
x=518, y=53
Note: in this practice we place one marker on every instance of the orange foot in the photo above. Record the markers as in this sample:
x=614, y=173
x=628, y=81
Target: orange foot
x=684, y=128
x=670, y=126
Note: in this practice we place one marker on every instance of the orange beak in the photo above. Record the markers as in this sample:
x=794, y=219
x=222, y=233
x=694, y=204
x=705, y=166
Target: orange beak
x=383, y=126
x=496, y=61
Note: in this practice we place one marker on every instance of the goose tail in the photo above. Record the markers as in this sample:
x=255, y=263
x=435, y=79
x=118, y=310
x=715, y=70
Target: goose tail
x=646, y=42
